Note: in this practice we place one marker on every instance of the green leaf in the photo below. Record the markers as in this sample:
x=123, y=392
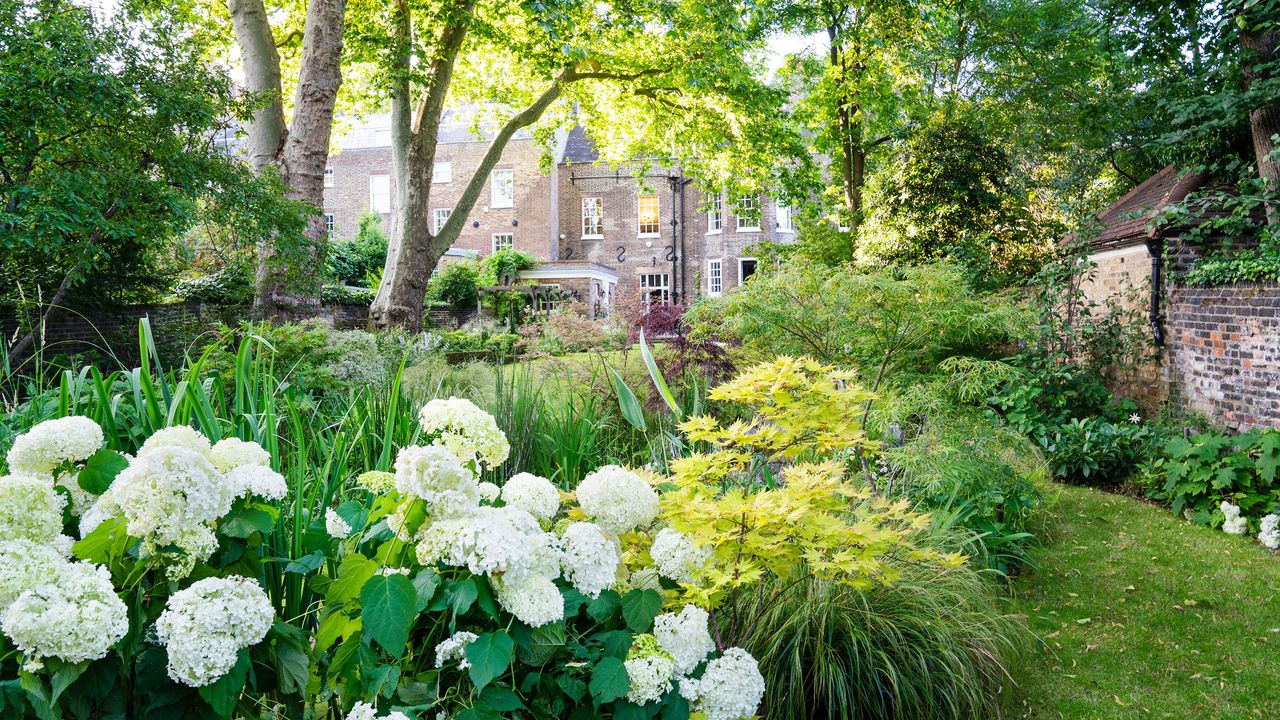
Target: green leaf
x=463, y=597
x=490, y=656
x=425, y=584
x=623, y=710
x=604, y=606
x=501, y=699
x=609, y=680
x=658, y=381
x=478, y=713
x=108, y=541
x=306, y=563
x=222, y=693
x=247, y=522
x=353, y=572
x=388, y=608
x=100, y=470
x=640, y=607
x=627, y=402
x=293, y=664
x=543, y=643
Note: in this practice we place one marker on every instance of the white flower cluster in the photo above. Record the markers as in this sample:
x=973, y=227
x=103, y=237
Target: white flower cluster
x=650, y=670
x=335, y=525
x=179, y=436
x=730, y=688
x=589, y=558
x=365, y=711
x=53, y=442
x=471, y=434
x=503, y=541
x=677, y=557
x=488, y=491
x=435, y=476
x=1233, y=523
x=73, y=616
x=232, y=452
x=30, y=508
x=685, y=637
x=533, y=494
x=205, y=626
x=618, y=499
x=1269, y=533
x=534, y=599
x=27, y=564
x=258, y=480
x=454, y=648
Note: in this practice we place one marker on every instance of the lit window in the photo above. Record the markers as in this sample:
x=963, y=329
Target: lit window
x=329, y=225
x=503, y=241
x=655, y=288
x=647, y=215
x=328, y=177
x=380, y=193
x=438, y=218
x=503, y=189
x=746, y=268
x=593, y=217
x=715, y=278
x=785, y=222
x=715, y=215
x=748, y=212
x=442, y=172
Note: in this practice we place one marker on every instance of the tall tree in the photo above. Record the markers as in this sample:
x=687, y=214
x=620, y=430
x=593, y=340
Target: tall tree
x=1260, y=42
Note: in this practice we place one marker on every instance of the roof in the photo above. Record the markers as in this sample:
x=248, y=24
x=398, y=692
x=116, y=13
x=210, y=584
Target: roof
x=570, y=269
x=579, y=148
x=1126, y=221
x=374, y=131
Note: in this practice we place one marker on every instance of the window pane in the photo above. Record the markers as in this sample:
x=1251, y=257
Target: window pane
x=503, y=241
x=328, y=177
x=380, y=193
x=647, y=214
x=439, y=216
x=715, y=280
x=504, y=189
x=748, y=213
x=329, y=225
x=784, y=218
x=442, y=172
x=715, y=215
x=593, y=217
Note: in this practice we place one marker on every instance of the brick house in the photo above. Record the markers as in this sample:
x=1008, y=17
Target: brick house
x=598, y=231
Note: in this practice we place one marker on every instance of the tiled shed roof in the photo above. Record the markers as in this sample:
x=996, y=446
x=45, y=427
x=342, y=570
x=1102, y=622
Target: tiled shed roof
x=1125, y=222
x=579, y=148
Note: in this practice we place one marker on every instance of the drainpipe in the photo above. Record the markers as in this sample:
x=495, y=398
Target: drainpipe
x=1156, y=249
x=683, y=270
x=675, y=182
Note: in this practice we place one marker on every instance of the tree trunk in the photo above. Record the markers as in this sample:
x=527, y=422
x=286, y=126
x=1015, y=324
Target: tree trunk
x=1264, y=121
x=852, y=155
x=262, y=77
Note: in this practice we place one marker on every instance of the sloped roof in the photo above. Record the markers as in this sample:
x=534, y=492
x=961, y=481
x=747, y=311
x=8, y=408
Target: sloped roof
x=374, y=131
x=579, y=148
x=1125, y=222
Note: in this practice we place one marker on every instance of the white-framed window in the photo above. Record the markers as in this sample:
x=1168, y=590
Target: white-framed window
x=746, y=268
x=442, y=172
x=786, y=222
x=329, y=225
x=715, y=215
x=748, y=213
x=592, y=218
x=715, y=277
x=380, y=193
x=648, y=216
x=503, y=241
x=550, y=299
x=655, y=288
x=328, y=177
x=503, y=189
x=382, y=138
x=438, y=218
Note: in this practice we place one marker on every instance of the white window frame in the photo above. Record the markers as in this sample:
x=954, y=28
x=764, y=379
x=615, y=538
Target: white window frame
x=510, y=244
x=754, y=203
x=328, y=177
x=657, y=221
x=442, y=173
x=383, y=207
x=753, y=272
x=502, y=188
x=592, y=209
x=439, y=216
x=329, y=225
x=715, y=277
x=715, y=215
x=663, y=290
x=788, y=212
x=545, y=305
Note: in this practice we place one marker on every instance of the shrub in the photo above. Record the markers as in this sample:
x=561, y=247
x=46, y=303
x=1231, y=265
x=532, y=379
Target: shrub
x=1199, y=473
x=351, y=262
x=455, y=285
x=1095, y=451
x=233, y=285
x=685, y=356
x=347, y=294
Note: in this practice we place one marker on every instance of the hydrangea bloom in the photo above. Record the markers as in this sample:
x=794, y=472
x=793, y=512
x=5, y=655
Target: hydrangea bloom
x=677, y=557
x=684, y=637
x=534, y=599
x=81, y=499
x=435, y=475
x=365, y=711
x=730, y=688
x=25, y=564
x=649, y=670
x=1269, y=533
x=377, y=481
x=465, y=430
x=1233, y=523
x=258, y=480
x=491, y=541
x=232, y=452
x=179, y=436
x=29, y=508
x=206, y=625
x=53, y=442
x=75, y=618
x=488, y=491
x=618, y=499
x=454, y=648
x=531, y=493
x=335, y=525
x=645, y=579
x=589, y=558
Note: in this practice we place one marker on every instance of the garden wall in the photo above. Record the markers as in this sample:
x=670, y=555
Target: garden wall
x=1223, y=352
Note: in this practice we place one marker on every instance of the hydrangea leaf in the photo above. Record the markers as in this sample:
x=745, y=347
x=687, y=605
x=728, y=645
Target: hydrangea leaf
x=100, y=469
x=640, y=607
x=501, y=699
x=629, y=711
x=609, y=680
x=490, y=656
x=221, y=694
x=425, y=584
x=353, y=572
x=388, y=606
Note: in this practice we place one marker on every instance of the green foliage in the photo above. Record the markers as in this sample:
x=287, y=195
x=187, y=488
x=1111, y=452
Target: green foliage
x=1201, y=472
x=351, y=261
x=1094, y=450
x=233, y=285
x=504, y=266
x=347, y=294
x=456, y=284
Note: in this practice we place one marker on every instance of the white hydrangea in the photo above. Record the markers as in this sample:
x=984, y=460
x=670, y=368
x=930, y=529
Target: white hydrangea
x=53, y=442
x=433, y=474
x=29, y=508
x=533, y=599
x=454, y=648
x=232, y=452
x=589, y=558
x=25, y=564
x=99, y=512
x=465, y=430
x=335, y=525
x=730, y=688
x=645, y=578
x=1233, y=523
x=490, y=541
x=76, y=617
x=365, y=711
x=81, y=499
x=677, y=557
x=650, y=671
x=488, y=491
x=257, y=480
x=1269, y=534
x=204, y=626
x=531, y=493
x=618, y=499
x=685, y=637
x=179, y=436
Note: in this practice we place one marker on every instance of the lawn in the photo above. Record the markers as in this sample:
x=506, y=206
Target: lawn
x=1140, y=614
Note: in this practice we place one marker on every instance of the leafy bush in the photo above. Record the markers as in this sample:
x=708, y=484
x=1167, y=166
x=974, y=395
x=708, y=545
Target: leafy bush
x=1200, y=472
x=1092, y=450
x=455, y=285
x=684, y=356
x=232, y=285
x=347, y=294
x=351, y=262
x=500, y=344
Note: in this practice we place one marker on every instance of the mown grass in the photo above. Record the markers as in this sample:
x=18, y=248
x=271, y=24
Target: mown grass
x=1141, y=614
